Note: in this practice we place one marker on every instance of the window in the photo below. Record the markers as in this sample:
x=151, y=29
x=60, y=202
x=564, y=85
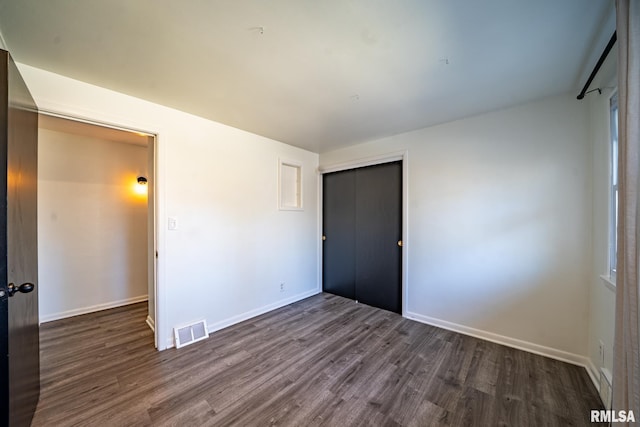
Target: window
x=613, y=202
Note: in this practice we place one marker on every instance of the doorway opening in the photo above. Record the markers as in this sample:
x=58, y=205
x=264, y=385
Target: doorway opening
x=96, y=218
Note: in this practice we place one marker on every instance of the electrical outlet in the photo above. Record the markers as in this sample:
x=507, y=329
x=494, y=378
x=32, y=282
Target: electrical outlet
x=601, y=352
x=281, y=286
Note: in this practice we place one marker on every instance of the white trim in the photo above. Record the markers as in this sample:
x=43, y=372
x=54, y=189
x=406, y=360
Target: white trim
x=593, y=374
x=161, y=319
x=60, y=110
x=154, y=217
x=405, y=231
x=319, y=230
x=564, y=356
x=92, y=309
x=250, y=314
x=608, y=282
x=612, y=232
x=151, y=324
x=89, y=121
x=366, y=161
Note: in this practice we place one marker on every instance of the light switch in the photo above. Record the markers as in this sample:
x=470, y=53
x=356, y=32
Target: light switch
x=173, y=223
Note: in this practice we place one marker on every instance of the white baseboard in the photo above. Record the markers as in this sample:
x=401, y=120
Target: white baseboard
x=530, y=347
x=553, y=353
x=250, y=314
x=92, y=309
x=151, y=323
x=594, y=374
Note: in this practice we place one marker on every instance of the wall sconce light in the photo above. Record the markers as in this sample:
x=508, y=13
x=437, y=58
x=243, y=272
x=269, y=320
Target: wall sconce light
x=141, y=187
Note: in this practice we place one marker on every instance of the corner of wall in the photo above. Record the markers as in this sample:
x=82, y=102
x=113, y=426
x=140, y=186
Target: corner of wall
x=601, y=299
x=3, y=43
x=607, y=27
x=553, y=353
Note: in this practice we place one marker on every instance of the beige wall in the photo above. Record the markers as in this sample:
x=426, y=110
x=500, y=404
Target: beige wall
x=92, y=226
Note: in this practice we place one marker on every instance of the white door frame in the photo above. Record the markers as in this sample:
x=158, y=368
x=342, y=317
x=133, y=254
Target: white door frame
x=402, y=156
x=154, y=188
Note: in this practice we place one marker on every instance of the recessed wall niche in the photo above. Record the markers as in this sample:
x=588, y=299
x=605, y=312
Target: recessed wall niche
x=290, y=185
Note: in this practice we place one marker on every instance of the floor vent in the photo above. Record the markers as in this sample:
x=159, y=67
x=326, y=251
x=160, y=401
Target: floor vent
x=189, y=334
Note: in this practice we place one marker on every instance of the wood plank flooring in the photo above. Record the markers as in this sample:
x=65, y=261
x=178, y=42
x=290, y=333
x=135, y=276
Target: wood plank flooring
x=322, y=361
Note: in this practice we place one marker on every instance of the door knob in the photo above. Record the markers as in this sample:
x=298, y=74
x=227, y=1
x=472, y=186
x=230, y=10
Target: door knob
x=25, y=288
x=400, y=243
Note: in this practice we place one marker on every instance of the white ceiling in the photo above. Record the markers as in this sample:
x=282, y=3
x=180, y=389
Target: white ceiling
x=318, y=74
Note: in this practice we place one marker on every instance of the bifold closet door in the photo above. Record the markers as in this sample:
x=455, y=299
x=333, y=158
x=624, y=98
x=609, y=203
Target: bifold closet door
x=362, y=228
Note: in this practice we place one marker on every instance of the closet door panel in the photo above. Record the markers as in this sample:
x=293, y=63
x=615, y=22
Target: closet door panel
x=338, y=224
x=378, y=225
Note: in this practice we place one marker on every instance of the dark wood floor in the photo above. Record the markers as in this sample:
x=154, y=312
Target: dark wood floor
x=322, y=361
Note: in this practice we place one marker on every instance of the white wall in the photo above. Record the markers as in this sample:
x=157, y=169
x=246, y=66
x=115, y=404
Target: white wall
x=499, y=216
x=499, y=228
x=233, y=246
x=602, y=309
x=92, y=227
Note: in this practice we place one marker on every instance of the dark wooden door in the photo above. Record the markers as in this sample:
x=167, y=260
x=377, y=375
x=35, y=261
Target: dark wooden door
x=19, y=331
x=362, y=228
x=339, y=227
